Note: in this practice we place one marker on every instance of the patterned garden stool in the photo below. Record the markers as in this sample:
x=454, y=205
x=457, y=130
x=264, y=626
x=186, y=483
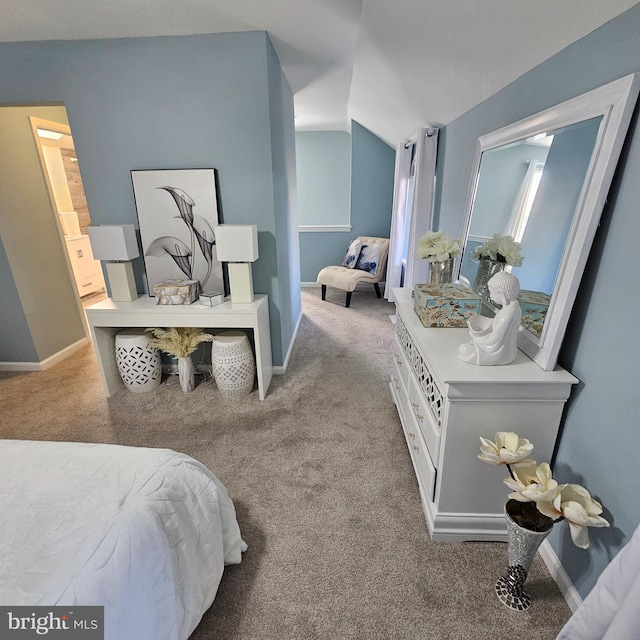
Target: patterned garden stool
x=232, y=363
x=139, y=365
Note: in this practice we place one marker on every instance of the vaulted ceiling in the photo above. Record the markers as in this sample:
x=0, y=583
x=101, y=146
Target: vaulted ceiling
x=392, y=66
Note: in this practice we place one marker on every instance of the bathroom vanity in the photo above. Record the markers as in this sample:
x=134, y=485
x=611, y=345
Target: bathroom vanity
x=86, y=270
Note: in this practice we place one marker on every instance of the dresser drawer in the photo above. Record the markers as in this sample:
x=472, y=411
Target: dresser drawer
x=401, y=366
x=90, y=284
x=425, y=420
x=422, y=464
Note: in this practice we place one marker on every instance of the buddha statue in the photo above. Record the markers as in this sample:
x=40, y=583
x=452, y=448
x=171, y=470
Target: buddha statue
x=494, y=341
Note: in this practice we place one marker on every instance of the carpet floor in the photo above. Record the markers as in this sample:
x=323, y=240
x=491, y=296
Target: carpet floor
x=323, y=486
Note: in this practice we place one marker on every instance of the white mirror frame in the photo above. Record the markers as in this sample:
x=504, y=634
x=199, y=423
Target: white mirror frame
x=615, y=102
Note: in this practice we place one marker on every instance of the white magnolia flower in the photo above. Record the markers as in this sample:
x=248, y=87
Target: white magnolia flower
x=532, y=484
x=436, y=246
x=508, y=448
x=500, y=248
x=576, y=505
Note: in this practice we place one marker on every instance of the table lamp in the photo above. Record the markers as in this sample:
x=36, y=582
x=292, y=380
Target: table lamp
x=117, y=245
x=237, y=244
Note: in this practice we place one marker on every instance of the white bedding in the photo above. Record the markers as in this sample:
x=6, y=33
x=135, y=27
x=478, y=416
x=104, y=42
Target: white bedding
x=144, y=532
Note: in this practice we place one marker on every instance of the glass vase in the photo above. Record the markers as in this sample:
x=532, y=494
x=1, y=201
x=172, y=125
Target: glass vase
x=487, y=268
x=440, y=272
x=523, y=544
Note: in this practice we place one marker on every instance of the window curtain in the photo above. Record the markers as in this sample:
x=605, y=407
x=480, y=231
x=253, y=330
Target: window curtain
x=404, y=154
x=422, y=209
x=520, y=211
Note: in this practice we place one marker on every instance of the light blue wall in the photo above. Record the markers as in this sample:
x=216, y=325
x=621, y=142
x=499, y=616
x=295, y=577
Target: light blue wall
x=323, y=161
x=600, y=439
x=176, y=102
x=372, y=170
x=286, y=287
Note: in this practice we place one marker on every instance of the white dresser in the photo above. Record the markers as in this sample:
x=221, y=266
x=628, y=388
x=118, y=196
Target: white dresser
x=445, y=405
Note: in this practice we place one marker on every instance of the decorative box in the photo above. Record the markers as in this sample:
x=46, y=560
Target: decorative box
x=534, y=306
x=177, y=291
x=445, y=305
x=211, y=298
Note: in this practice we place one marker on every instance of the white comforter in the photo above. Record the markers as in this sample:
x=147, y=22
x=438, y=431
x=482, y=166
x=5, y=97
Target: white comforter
x=144, y=532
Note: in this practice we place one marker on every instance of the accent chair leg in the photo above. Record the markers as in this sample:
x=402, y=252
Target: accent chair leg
x=324, y=291
x=348, y=300
x=375, y=284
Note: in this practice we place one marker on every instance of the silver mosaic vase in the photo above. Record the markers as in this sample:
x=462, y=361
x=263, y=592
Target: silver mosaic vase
x=487, y=268
x=440, y=272
x=523, y=544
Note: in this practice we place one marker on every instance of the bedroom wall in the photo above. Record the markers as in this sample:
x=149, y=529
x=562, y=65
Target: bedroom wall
x=34, y=260
x=372, y=171
x=323, y=161
x=175, y=102
x=600, y=436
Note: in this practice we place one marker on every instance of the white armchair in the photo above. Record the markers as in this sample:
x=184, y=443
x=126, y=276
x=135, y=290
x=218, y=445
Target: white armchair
x=369, y=267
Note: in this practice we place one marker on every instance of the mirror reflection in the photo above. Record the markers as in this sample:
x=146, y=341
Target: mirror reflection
x=529, y=190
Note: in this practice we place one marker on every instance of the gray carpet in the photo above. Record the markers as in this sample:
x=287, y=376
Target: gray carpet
x=323, y=486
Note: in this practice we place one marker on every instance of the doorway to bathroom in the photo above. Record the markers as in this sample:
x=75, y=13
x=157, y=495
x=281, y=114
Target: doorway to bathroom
x=64, y=182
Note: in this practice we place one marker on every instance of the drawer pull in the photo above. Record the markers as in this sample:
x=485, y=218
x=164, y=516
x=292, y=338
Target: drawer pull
x=416, y=448
x=415, y=406
x=413, y=435
x=398, y=359
x=420, y=417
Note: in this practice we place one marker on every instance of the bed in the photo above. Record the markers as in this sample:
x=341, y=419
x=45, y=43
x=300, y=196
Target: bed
x=144, y=532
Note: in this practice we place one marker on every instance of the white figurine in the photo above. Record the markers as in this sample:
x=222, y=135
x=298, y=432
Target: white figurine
x=495, y=340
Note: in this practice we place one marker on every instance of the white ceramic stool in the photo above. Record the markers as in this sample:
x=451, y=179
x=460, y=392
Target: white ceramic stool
x=139, y=365
x=232, y=362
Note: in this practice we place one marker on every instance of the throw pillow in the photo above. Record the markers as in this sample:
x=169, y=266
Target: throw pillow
x=369, y=258
x=353, y=253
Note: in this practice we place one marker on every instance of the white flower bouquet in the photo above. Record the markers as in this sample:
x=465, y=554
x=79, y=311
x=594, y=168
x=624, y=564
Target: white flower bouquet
x=501, y=249
x=544, y=501
x=436, y=246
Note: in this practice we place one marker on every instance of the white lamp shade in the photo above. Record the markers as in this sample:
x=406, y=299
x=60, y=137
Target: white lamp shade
x=114, y=242
x=237, y=242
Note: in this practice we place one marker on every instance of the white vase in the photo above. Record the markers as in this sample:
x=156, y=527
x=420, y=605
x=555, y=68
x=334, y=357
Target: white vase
x=186, y=374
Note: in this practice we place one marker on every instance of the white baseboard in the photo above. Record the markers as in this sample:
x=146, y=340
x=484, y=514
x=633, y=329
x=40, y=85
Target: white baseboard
x=570, y=593
x=280, y=371
x=47, y=363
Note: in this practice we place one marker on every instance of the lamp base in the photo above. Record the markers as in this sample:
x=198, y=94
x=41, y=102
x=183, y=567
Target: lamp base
x=241, y=282
x=121, y=281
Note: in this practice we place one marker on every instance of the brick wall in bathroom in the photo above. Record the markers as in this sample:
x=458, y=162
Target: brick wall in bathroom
x=74, y=180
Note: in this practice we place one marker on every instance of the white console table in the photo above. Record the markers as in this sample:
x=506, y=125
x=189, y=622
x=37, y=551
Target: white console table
x=107, y=318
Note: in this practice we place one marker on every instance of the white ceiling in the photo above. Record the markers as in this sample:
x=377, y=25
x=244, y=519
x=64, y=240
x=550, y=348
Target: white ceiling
x=394, y=66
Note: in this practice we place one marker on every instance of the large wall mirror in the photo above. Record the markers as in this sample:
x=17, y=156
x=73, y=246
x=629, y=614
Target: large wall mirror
x=544, y=181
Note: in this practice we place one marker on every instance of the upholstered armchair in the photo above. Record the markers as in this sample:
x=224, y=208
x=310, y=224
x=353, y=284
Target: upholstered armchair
x=365, y=261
